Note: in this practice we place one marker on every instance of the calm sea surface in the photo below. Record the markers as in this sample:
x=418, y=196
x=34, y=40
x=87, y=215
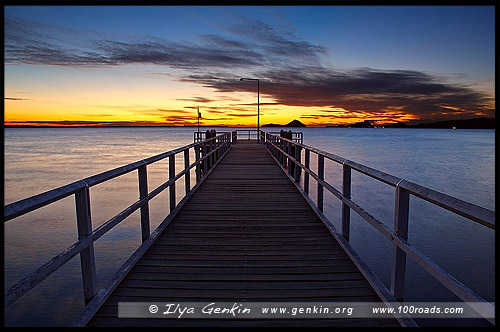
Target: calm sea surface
x=460, y=163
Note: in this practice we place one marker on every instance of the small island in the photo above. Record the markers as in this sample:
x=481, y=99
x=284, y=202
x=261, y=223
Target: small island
x=294, y=123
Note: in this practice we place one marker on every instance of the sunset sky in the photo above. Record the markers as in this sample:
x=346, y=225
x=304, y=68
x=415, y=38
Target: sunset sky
x=322, y=65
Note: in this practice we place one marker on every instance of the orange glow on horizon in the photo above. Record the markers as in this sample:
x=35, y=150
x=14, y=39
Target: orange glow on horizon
x=156, y=109
x=105, y=112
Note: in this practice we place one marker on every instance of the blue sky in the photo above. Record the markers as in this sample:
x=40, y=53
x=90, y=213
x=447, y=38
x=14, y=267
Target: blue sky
x=322, y=64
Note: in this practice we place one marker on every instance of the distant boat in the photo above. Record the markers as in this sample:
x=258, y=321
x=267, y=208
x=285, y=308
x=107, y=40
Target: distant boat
x=453, y=128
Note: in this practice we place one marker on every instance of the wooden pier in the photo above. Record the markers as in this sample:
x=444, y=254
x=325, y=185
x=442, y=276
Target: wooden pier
x=247, y=232
x=245, y=235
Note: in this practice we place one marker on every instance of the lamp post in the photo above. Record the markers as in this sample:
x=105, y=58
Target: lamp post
x=199, y=116
x=258, y=104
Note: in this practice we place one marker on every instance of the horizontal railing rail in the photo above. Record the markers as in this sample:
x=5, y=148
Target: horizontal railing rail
x=245, y=134
x=207, y=154
x=288, y=154
x=252, y=134
x=199, y=136
x=296, y=136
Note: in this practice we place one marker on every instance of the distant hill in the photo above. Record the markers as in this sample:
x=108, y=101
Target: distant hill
x=294, y=123
x=475, y=123
x=363, y=124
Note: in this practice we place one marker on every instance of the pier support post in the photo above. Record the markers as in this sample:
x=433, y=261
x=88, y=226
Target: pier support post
x=282, y=158
x=87, y=260
x=205, y=160
x=346, y=192
x=187, y=176
x=307, y=162
x=297, y=156
x=402, y=203
x=291, y=152
x=171, y=175
x=321, y=176
x=197, y=151
x=143, y=192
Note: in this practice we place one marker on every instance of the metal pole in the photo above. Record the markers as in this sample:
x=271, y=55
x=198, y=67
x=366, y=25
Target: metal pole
x=258, y=110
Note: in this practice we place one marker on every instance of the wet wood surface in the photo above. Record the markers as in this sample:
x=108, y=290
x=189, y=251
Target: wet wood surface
x=246, y=235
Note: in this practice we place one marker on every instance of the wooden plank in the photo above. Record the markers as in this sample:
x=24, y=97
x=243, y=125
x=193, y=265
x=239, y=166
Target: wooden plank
x=137, y=275
x=291, y=285
x=246, y=234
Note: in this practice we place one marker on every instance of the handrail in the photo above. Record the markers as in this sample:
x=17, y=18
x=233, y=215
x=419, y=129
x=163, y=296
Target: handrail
x=288, y=155
x=207, y=153
x=249, y=134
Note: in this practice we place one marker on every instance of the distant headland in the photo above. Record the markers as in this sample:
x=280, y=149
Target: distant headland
x=475, y=123
x=294, y=123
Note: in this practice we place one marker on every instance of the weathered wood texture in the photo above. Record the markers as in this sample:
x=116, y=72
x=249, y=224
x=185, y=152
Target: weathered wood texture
x=245, y=235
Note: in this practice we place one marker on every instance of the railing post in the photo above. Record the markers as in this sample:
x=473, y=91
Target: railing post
x=171, y=175
x=209, y=158
x=197, y=152
x=346, y=192
x=87, y=260
x=217, y=151
x=282, y=152
x=289, y=152
x=283, y=149
x=274, y=142
x=297, y=164
x=321, y=176
x=205, y=160
x=307, y=162
x=224, y=144
x=143, y=192
x=187, y=176
x=402, y=204
x=212, y=156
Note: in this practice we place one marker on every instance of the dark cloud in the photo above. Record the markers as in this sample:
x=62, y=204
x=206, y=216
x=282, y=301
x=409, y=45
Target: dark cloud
x=29, y=42
x=197, y=99
x=176, y=55
x=276, y=45
x=16, y=99
x=223, y=43
x=363, y=90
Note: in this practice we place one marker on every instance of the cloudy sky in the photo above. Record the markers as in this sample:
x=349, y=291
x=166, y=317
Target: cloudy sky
x=322, y=65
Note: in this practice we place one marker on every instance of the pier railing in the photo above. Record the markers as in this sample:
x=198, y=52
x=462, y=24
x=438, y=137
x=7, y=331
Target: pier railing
x=245, y=134
x=288, y=154
x=207, y=155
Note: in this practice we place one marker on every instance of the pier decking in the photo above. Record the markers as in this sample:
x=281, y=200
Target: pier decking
x=245, y=235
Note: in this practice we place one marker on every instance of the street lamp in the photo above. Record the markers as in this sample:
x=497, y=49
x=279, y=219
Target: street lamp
x=258, y=104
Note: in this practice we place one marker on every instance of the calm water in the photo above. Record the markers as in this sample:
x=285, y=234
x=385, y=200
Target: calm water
x=460, y=163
